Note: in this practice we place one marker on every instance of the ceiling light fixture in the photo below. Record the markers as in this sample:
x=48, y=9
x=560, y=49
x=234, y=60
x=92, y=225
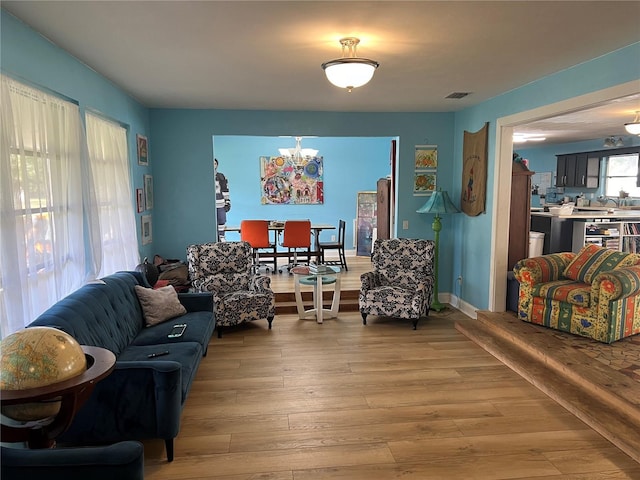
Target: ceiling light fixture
x=299, y=155
x=634, y=127
x=528, y=137
x=350, y=71
x=611, y=142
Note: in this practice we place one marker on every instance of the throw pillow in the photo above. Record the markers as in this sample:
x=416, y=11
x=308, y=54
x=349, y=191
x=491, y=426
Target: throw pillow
x=159, y=305
x=592, y=260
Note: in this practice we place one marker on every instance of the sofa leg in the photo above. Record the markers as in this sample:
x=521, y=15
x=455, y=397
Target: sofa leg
x=364, y=318
x=169, y=446
x=219, y=328
x=269, y=319
x=415, y=323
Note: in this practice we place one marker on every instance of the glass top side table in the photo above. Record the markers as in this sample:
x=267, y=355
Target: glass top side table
x=326, y=275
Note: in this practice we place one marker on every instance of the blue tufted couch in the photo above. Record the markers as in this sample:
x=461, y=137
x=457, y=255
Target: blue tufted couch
x=142, y=398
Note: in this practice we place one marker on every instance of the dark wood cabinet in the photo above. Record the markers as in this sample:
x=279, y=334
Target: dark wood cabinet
x=578, y=170
x=519, y=218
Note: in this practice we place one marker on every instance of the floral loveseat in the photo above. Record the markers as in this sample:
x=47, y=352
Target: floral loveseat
x=594, y=293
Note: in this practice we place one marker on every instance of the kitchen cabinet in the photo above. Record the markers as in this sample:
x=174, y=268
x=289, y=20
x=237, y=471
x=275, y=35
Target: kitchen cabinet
x=578, y=170
x=557, y=231
x=587, y=170
x=566, y=170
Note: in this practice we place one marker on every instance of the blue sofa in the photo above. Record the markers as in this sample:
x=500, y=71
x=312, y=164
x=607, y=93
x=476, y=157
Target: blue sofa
x=122, y=461
x=143, y=397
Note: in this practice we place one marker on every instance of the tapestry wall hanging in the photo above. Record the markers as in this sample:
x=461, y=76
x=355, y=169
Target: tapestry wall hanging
x=290, y=181
x=474, y=171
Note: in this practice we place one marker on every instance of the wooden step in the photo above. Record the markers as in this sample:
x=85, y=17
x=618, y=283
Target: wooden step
x=616, y=416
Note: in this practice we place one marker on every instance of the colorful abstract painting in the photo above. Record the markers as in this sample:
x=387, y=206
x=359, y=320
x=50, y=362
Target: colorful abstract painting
x=288, y=182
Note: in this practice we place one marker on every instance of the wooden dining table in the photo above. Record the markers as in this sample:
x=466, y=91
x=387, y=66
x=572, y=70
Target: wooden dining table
x=278, y=227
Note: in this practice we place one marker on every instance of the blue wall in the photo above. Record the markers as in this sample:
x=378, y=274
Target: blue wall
x=181, y=144
x=343, y=178
x=472, y=252
x=183, y=167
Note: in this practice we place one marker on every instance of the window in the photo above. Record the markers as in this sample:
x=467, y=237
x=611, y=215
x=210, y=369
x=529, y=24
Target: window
x=67, y=205
x=43, y=253
x=622, y=174
x=107, y=142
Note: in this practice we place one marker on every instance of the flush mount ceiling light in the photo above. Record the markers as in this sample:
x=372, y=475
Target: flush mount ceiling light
x=611, y=142
x=528, y=137
x=634, y=127
x=350, y=71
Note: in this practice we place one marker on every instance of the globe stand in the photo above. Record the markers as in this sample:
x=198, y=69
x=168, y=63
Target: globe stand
x=71, y=393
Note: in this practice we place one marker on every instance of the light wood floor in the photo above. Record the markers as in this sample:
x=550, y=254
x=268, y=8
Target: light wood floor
x=342, y=401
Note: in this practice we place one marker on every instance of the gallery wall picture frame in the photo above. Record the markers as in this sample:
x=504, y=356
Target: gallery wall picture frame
x=143, y=150
x=140, y=200
x=146, y=229
x=148, y=191
x=426, y=157
x=424, y=183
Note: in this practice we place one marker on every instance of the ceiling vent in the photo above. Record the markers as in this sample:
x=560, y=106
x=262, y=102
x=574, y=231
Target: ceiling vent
x=457, y=95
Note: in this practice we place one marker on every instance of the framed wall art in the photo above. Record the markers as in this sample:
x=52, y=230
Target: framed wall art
x=425, y=169
x=143, y=150
x=146, y=230
x=140, y=200
x=148, y=191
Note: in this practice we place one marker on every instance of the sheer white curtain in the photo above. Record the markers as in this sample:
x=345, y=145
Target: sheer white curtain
x=107, y=142
x=46, y=246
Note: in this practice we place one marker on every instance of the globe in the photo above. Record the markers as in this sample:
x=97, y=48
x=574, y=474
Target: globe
x=37, y=357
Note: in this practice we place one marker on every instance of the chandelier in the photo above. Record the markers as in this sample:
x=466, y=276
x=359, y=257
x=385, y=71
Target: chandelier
x=298, y=155
x=350, y=71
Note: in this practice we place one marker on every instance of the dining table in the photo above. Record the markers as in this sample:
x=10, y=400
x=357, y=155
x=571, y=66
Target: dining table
x=277, y=227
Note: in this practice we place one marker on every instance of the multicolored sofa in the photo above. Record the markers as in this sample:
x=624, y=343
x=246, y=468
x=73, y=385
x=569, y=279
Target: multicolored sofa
x=594, y=293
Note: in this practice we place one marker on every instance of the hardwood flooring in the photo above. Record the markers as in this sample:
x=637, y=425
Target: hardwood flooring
x=343, y=401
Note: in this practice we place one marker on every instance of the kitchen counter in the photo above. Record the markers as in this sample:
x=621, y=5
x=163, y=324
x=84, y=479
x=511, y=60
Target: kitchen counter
x=596, y=213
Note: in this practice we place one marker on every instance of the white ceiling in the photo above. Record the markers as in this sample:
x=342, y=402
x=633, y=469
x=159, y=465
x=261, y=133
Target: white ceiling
x=266, y=55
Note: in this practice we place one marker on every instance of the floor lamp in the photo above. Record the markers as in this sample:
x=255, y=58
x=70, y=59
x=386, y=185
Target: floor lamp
x=438, y=203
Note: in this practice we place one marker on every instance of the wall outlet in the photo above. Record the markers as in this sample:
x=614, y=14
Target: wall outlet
x=333, y=238
x=405, y=224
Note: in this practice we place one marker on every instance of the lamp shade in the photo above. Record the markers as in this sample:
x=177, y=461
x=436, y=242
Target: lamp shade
x=350, y=72
x=438, y=203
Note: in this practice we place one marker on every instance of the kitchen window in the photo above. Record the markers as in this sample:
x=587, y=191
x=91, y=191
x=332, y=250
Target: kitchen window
x=622, y=174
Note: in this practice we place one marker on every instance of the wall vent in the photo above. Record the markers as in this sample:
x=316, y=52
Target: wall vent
x=457, y=95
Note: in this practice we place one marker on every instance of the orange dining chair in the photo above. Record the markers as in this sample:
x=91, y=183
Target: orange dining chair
x=256, y=234
x=297, y=235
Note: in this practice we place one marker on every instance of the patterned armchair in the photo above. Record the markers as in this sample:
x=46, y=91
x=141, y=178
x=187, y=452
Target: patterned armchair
x=401, y=285
x=224, y=269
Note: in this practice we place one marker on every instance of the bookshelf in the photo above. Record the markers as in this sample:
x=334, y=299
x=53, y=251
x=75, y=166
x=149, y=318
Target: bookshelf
x=618, y=235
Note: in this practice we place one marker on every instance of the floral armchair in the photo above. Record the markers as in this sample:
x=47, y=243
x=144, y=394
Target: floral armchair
x=401, y=285
x=594, y=293
x=225, y=270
